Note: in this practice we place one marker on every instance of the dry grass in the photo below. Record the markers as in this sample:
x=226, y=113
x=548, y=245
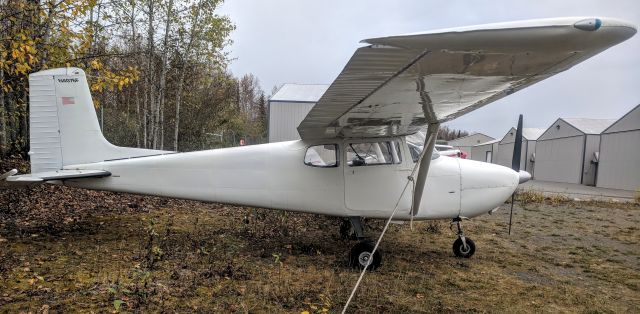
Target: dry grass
x=181, y=256
x=530, y=196
x=637, y=197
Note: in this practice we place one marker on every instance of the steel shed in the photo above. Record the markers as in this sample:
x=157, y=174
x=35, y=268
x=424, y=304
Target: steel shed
x=486, y=151
x=619, y=164
x=288, y=107
x=566, y=151
x=466, y=142
x=527, y=155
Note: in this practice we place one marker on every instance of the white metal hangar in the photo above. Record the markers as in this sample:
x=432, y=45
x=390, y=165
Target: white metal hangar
x=566, y=151
x=466, y=142
x=486, y=151
x=527, y=155
x=619, y=164
x=288, y=106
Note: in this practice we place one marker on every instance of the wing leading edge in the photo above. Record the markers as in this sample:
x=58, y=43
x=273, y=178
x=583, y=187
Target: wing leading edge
x=396, y=85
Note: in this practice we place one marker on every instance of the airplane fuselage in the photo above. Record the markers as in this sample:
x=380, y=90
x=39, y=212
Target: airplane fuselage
x=275, y=176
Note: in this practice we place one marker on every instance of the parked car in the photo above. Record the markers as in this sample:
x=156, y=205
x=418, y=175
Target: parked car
x=447, y=150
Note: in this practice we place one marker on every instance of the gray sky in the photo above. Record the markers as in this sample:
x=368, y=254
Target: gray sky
x=294, y=41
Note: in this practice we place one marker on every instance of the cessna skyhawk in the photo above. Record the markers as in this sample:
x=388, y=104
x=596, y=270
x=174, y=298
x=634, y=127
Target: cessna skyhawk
x=355, y=158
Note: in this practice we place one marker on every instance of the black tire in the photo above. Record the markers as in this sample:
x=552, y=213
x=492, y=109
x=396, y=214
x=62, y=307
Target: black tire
x=361, y=253
x=460, y=250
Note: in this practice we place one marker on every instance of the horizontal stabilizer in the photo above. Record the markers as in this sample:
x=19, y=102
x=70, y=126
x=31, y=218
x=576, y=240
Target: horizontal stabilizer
x=11, y=180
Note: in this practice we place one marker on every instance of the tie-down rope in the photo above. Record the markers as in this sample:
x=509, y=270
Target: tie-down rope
x=386, y=226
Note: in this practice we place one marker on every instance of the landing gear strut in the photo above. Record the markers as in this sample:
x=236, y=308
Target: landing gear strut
x=352, y=229
x=463, y=246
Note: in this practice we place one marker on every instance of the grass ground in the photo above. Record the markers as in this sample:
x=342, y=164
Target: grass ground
x=66, y=250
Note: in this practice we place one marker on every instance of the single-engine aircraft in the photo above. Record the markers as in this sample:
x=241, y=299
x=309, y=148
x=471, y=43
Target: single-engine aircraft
x=358, y=151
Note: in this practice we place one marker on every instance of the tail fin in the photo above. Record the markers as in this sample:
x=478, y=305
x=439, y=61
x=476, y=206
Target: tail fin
x=64, y=125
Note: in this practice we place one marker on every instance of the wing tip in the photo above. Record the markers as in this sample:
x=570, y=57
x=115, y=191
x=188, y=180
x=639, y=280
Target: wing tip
x=582, y=23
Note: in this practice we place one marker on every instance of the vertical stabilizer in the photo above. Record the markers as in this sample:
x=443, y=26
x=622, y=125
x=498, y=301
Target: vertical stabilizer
x=64, y=128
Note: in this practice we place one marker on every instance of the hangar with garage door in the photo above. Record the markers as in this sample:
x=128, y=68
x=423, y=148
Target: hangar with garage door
x=505, y=148
x=486, y=151
x=466, y=142
x=288, y=107
x=567, y=150
x=619, y=160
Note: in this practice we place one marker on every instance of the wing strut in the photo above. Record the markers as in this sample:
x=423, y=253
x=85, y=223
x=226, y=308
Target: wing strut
x=425, y=162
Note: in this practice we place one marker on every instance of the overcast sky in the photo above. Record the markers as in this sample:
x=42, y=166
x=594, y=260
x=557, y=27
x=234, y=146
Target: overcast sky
x=294, y=41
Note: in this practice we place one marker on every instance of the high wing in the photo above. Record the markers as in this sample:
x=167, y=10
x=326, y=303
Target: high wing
x=398, y=84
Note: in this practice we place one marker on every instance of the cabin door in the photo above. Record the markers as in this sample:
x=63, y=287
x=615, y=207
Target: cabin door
x=375, y=176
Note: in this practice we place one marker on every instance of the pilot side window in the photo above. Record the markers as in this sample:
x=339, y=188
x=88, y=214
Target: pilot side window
x=323, y=156
x=373, y=153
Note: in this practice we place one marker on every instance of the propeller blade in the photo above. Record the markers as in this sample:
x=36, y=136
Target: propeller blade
x=517, y=147
x=515, y=165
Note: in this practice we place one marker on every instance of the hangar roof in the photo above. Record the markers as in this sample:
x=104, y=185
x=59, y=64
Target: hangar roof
x=532, y=134
x=589, y=126
x=300, y=92
x=630, y=121
x=488, y=142
x=470, y=140
x=529, y=134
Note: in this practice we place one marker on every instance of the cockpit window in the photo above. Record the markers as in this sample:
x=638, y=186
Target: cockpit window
x=323, y=156
x=416, y=144
x=373, y=153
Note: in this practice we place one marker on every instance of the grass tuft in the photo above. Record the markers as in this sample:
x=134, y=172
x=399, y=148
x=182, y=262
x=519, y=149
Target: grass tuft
x=530, y=197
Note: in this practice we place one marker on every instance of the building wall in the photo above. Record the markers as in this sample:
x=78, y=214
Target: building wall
x=466, y=143
x=479, y=152
x=505, y=154
x=560, y=159
x=589, y=168
x=630, y=121
x=530, y=151
x=471, y=140
x=284, y=118
x=560, y=129
x=619, y=166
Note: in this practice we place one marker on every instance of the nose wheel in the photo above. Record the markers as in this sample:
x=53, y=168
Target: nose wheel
x=462, y=246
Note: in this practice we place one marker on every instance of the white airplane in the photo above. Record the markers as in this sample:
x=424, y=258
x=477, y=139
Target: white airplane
x=354, y=159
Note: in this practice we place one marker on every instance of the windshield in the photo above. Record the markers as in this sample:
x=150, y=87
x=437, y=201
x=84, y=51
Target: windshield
x=416, y=142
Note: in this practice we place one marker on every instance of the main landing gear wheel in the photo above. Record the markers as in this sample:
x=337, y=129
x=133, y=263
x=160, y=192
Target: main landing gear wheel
x=462, y=249
x=361, y=255
x=463, y=246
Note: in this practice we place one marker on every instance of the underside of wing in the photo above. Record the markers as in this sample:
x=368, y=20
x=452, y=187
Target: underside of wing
x=396, y=85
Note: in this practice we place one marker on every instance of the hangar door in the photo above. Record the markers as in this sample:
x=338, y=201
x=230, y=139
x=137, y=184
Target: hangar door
x=560, y=159
x=620, y=161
